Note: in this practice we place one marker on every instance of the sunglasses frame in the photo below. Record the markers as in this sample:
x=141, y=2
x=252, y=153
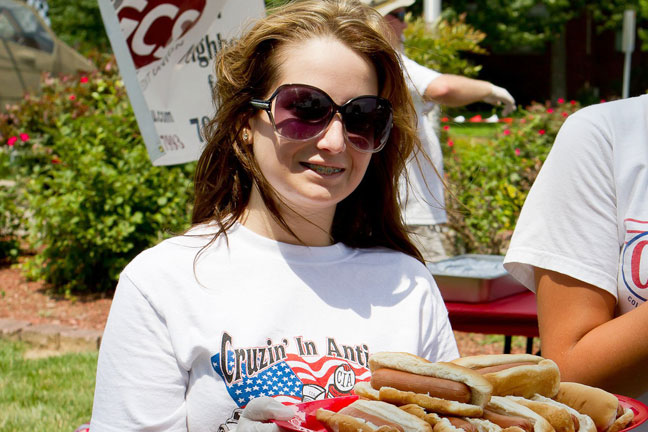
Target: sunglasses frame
x=266, y=105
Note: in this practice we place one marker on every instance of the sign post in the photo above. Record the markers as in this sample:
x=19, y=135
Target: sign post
x=165, y=51
x=628, y=47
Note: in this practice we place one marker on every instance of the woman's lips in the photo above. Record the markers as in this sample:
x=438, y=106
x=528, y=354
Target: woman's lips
x=322, y=169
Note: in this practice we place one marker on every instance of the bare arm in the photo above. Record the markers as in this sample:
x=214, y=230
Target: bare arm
x=456, y=91
x=579, y=332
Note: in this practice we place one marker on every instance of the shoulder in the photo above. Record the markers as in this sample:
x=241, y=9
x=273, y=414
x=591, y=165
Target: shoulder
x=614, y=114
x=173, y=253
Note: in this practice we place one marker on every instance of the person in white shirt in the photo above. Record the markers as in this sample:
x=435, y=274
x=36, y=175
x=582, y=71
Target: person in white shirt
x=422, y=192
x=298, y=265
x=580, y=244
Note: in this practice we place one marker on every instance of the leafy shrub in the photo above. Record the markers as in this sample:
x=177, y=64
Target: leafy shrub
x=490, y=177
x=94, y=199
x=439, y=47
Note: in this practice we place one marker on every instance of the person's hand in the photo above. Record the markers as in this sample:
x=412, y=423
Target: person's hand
x=500, y=96
x=259, y=410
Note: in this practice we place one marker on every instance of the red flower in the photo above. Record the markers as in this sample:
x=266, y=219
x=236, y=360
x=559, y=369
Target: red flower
x=517, y=152
x=84, y=79
x=561, y=100
x=507, y=120
x=603, y=101
x=444, y=119
x=11, y=141
x=550, y=110
x=564, y=114
x=572, y=102
x=450, y=143
x=541, y=131
x=446, y=127
x=507, y=132
x=56, y=160
x=72, y=97
x=24, y=137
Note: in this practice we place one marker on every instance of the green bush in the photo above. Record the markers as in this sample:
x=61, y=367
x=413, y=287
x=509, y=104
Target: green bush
x=489, y=177
x=439, y=47
x=93, y=197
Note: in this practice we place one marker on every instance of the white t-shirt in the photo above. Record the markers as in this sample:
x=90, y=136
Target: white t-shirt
x=192, y=338
x=586, y=215
x=423, y=201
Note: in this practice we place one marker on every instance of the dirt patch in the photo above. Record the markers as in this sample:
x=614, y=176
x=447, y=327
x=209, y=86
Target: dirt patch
x=34, y=302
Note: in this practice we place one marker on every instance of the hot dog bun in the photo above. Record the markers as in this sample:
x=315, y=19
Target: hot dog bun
x=557, y=416
x=371, y=416
x=585, y=422
x=444, y=424
x=400, y=378
x=508, y=407
x=603, y=407
x=529, y=375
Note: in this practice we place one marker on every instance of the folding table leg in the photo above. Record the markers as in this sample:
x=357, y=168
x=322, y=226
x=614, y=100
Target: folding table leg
x=529, y=346
x=507, y=344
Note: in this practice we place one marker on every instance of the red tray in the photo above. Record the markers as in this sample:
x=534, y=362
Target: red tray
x=305, y=420
x=640, y=411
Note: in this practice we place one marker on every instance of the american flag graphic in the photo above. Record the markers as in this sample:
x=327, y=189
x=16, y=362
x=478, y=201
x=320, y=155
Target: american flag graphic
x=285, y=379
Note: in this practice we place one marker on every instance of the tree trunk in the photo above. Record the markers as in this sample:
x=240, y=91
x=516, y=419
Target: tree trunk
x=559, y=66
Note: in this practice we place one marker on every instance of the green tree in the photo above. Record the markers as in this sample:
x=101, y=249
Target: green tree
x=532, y=24
x=512, y=24
x=79, y=24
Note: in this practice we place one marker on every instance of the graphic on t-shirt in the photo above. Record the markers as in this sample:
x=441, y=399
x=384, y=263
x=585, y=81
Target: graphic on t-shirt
x=293, y=370
x=633, y=274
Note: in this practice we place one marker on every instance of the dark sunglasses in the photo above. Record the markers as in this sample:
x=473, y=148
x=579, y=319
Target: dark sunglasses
x=301, y=112
x=399, y=15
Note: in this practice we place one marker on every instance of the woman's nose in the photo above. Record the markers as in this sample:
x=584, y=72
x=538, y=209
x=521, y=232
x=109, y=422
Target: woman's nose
x=334, y=139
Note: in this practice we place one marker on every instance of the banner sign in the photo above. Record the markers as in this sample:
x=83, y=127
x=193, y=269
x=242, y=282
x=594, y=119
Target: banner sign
x=165, y=51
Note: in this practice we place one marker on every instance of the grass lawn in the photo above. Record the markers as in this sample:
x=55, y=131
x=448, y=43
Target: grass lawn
x=47, y=394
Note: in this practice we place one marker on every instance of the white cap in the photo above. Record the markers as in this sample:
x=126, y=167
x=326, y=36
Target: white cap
x=385, y=6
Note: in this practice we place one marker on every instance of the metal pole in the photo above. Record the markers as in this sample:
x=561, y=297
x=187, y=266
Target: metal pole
x=431, y=10
x=628, y=47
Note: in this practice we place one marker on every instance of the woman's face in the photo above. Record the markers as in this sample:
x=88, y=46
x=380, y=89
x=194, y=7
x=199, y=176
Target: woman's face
x=312, y=176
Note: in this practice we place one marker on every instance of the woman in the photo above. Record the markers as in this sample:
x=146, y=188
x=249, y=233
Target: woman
x=298, y=265
x=579, y=243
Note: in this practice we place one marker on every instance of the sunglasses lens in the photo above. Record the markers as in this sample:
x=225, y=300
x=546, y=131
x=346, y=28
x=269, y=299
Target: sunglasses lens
x=368, y=122
x=301, y=113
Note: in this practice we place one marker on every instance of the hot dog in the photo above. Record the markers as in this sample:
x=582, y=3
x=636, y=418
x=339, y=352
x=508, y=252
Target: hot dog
x=582, y=422
x=603, y=407
x=556, y=414
x=442, y=423
x=499, y=408
x=516, y=374
x=371, y=416
x=441, y=387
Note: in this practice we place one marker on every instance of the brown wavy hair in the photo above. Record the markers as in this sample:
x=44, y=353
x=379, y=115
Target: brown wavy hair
x=249, y=68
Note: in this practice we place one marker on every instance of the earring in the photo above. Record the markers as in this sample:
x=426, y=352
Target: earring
x=246, y=137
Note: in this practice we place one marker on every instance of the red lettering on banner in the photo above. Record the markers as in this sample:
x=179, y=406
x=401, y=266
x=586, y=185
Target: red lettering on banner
x=151, y=25
x=635, y=265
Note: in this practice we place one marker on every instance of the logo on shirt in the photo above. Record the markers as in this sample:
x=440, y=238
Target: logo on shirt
x=290, y=371
x=635, y=252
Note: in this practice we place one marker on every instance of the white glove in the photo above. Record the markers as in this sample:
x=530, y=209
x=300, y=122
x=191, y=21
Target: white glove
x=501, y=96
x=259, y=410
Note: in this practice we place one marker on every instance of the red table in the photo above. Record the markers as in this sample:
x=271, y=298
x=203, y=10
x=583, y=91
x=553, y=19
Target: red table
x=515, y=315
